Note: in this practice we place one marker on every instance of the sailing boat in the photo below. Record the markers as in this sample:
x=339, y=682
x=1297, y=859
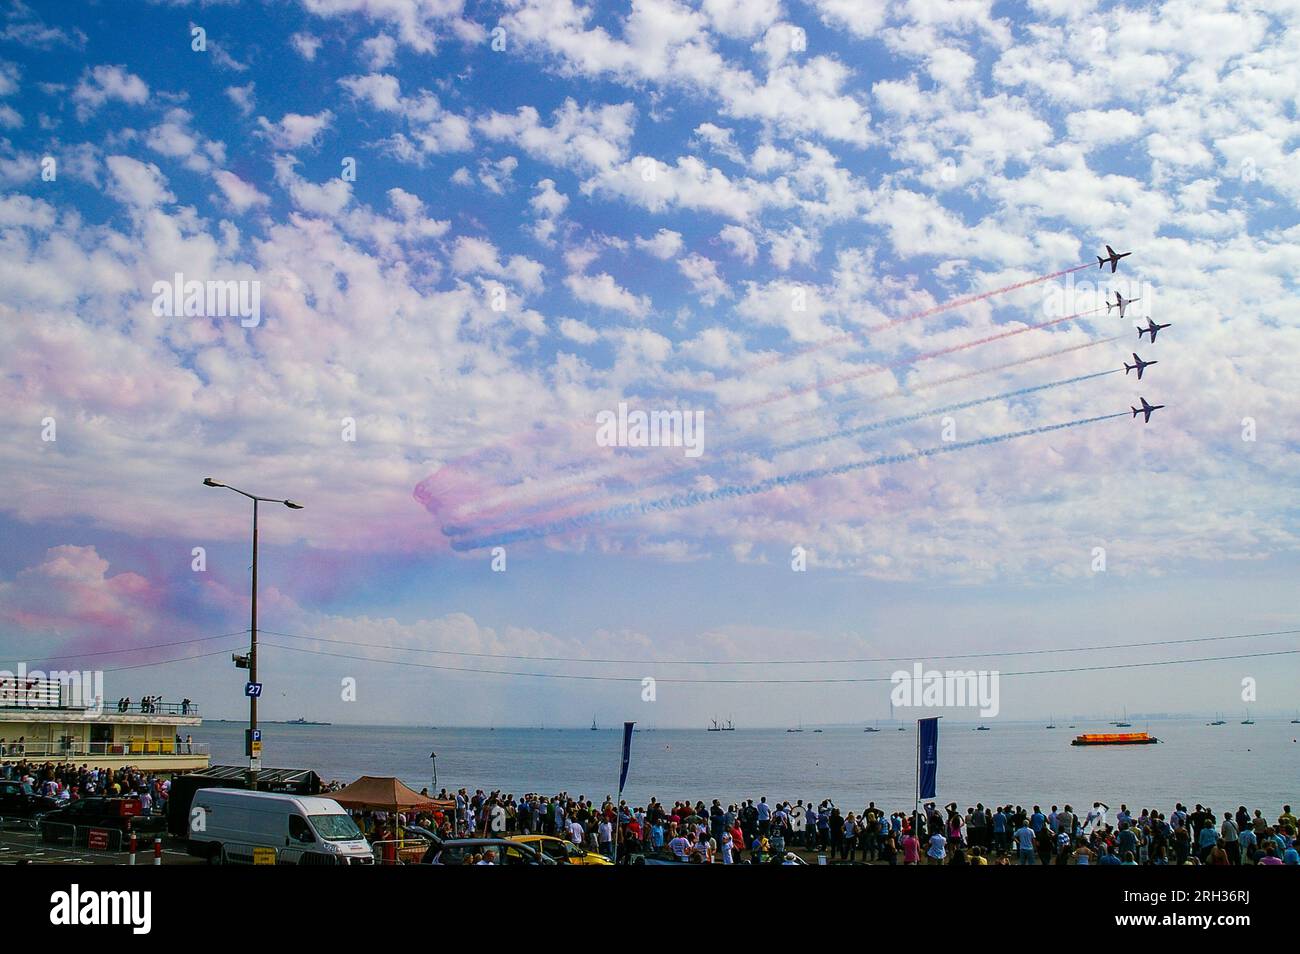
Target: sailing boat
x=1051, y=723
x=800, y=729
x=1218, y=719
x=1296, y=720
x=593, y=723
x=870, y=728
x=1123, y=723
x=1248, y=720
x=715, y=727
x=729, y=727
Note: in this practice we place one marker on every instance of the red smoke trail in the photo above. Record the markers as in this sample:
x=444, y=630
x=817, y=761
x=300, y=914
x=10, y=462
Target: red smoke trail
x=911, y=359
x=971, y=299
x=913, y=316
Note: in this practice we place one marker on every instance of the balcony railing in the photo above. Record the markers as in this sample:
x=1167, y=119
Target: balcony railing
x=134, y=749
x=10, y=703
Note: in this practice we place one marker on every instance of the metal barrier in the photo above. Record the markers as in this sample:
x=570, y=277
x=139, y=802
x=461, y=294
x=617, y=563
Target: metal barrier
x=403, y=851
x=92, y=837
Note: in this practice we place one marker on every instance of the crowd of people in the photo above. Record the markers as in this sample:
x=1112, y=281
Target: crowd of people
x=68, y=782
x=761, y=832
x=758, y=832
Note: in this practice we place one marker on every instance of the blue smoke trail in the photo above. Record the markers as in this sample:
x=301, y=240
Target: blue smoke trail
x=738, y=450
x=930, y=412
x=695, y=498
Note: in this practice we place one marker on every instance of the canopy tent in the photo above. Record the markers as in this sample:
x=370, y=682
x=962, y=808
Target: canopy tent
x=384, y=793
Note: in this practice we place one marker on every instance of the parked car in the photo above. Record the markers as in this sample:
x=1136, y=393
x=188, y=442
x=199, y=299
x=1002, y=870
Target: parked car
x=457, y=851
x=562, y=851
x=20, y=800
x=74, y=821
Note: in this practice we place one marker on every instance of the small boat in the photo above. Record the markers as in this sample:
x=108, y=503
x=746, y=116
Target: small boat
x=816, y=730
x=981, y=728
x=1123, y=723
x=1218, y=719
x=1296, y=720
x=715, y=727
x=872, y=728
x=1114, y=738
x=593, y=723
x=1248, y=720
x=729, y=727
x=302, y=720
x=1051, y=723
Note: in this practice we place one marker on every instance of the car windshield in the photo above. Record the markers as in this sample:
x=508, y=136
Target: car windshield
x=335, y=827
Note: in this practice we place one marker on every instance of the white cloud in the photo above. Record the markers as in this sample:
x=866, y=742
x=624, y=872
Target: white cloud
x=104, y=84
x=241, y=195
x=604, y=292
x=295, y=130
x=138, y=184
x=741, y=241
x=664, y=244
x=306, y=45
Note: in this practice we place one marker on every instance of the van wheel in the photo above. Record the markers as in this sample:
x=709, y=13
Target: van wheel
x=214, y=855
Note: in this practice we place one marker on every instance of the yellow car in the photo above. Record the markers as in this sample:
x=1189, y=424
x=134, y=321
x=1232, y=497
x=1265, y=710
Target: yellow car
x=561, y=851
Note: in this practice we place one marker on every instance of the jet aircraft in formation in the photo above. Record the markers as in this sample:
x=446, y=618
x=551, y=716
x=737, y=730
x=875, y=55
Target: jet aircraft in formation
x=1138, y=365
x=1152, y=329
x=1112, y=258
x=1145, y=410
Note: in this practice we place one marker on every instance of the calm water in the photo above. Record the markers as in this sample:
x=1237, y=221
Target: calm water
x=1222, y=766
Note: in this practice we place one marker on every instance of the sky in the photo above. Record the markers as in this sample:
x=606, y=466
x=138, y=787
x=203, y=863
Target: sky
x=855, y=240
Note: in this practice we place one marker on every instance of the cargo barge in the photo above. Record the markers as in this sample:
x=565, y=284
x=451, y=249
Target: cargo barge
x=1114, y=738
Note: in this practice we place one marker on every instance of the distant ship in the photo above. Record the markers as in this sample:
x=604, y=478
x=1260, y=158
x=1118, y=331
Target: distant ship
x=303, y=721
x=981, y=728
x=1218, y=719
x=1248, y=720
x=1123, y=723
x=593, y=723
x=872, y=728
x=1296, y=720
x=715, y=727
x=729, y=727
x=1051, y=723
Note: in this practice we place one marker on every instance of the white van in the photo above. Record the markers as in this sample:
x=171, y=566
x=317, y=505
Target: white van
x=228, y=825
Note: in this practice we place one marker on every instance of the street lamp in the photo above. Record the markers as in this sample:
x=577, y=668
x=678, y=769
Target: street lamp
x=254, y=762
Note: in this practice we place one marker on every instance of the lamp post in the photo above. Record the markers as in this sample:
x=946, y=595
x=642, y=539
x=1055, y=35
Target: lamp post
x=254, y=762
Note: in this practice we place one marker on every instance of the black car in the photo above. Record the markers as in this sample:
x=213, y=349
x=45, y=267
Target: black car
x=20, y=800
x=457, y=851
x=74, y=821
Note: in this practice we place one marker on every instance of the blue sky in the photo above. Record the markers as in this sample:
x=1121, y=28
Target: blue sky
x=624, y=204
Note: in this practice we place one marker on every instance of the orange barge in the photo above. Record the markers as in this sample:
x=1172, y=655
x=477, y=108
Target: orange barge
x=1114, y=738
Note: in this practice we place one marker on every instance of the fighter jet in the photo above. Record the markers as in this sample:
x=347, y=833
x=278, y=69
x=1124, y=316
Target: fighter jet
x=1121, y=303
x=1152, y=329
x=1113, y=258
x=1139, y=366
x=1145, y=410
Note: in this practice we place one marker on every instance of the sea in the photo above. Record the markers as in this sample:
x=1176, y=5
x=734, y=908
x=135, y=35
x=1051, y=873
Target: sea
x=1219, y=766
